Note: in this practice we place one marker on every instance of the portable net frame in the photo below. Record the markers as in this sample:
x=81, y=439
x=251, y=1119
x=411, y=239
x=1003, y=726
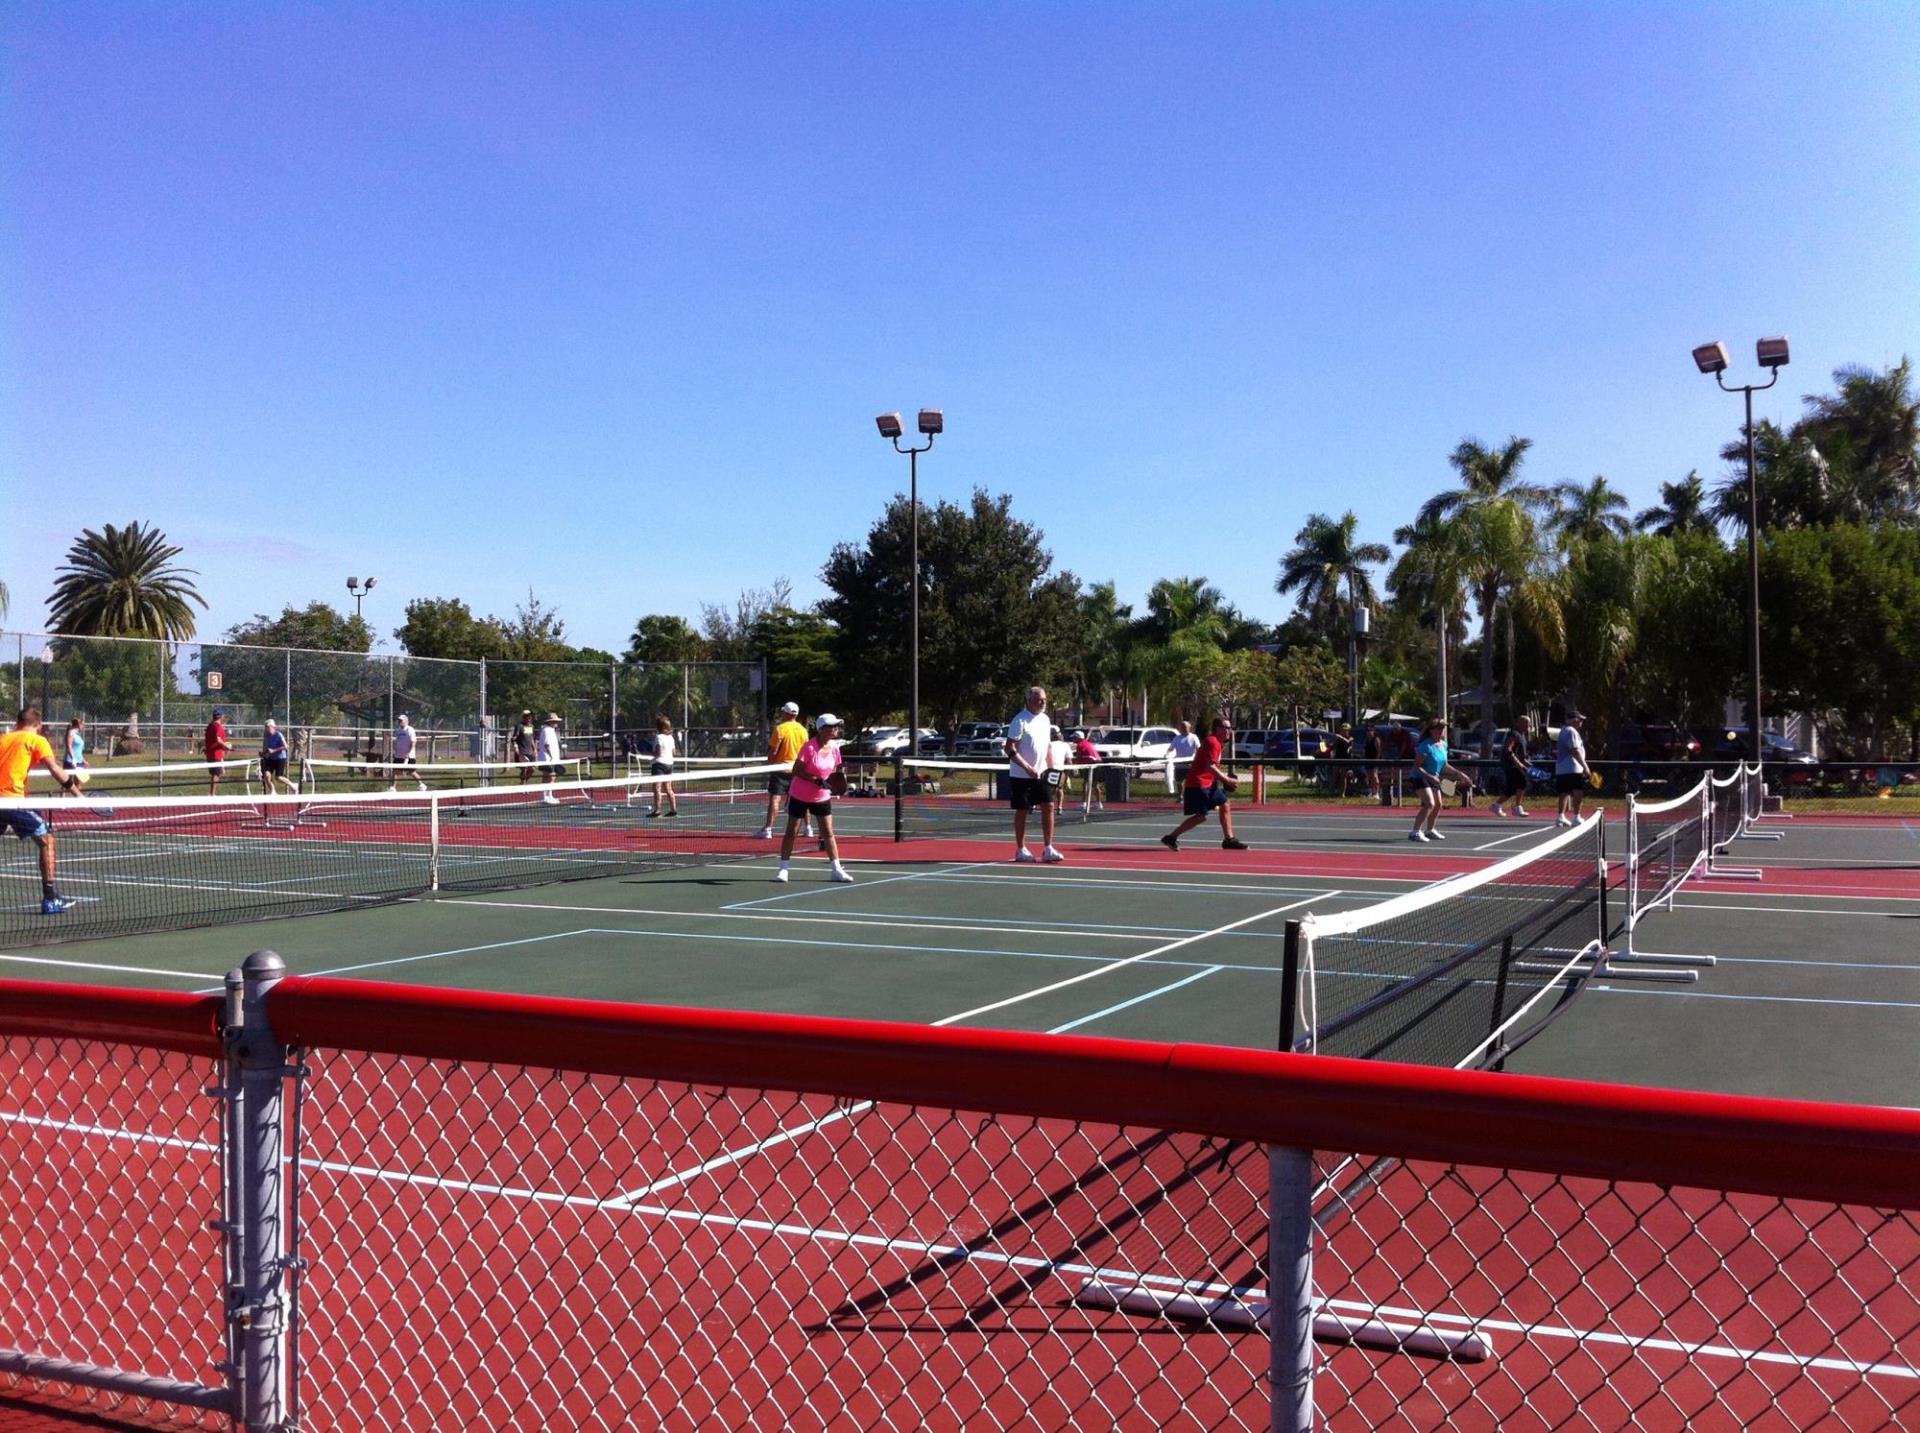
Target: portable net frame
x=166, y=863
x=955, y=798
x=237, y=774
x=1729, y=818
x=1459, y=974
x=1667, y=845
x=319, y=774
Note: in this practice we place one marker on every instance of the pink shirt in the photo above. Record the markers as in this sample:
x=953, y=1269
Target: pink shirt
x=811, y=771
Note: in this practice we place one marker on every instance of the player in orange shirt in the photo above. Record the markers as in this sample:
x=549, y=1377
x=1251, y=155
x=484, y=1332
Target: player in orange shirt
x=20, y=750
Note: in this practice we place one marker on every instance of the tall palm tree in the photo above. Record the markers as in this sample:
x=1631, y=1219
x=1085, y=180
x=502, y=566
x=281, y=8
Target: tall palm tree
x=1327, y=556
x=1189, y=605
x=1589, y=512
x=1102, y=655
x=123, y=582
x=1494, y=510
x=1872, y=425
x=1430, y=579
x=1682, y=508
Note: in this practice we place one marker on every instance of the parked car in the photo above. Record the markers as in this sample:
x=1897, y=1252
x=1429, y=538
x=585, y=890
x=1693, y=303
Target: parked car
x=1735, y=743
x=1655, y=741
x=977, y=739
x=892, y=741
x=1251, y=744
x=1133, y=743
x=1305, y=743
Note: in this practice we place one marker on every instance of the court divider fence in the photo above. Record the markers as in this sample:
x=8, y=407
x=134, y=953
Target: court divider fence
x=331, y=1204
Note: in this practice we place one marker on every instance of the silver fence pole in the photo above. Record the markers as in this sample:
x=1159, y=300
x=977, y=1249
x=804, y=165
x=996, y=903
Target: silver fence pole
x=1290, y=1288
x=391, y=713
x=166, y=656
x=259, y=1315
x=613, y=716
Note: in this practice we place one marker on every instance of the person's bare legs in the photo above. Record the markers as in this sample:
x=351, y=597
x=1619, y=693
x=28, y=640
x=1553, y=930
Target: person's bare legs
x=1046, y=832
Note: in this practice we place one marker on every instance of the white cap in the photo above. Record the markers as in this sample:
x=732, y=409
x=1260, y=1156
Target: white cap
x=825, y=720
x=404, y=719
x=790, y=709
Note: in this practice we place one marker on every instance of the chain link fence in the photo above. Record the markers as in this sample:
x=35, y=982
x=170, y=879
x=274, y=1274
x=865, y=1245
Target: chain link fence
x=152, y=699
x=324, y=1203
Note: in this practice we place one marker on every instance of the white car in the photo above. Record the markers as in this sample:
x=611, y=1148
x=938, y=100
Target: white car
x=891, y=740
x=1133, y=743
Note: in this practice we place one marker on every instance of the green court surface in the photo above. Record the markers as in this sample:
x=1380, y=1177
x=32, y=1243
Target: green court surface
x=1815, y=993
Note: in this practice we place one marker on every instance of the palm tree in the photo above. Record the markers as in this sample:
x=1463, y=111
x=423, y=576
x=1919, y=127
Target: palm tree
x=1326, y=556
x=1682, y=508
x=1494, y=513
x=123, y=583
x=1103, y=657
x=1590, y=513
x=1429, y=579
x=1872, y=427
x=1185, y=605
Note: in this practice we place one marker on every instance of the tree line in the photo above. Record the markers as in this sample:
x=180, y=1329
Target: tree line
x=1544, y=594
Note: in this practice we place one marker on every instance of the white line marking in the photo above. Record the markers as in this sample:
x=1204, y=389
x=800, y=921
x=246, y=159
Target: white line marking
x=824, y=889
x=1516, y=836
x=1200, y=974
x=117, y=969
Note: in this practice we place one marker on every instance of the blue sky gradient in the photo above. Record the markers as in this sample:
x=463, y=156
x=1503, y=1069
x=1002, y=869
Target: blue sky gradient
x=601, y=299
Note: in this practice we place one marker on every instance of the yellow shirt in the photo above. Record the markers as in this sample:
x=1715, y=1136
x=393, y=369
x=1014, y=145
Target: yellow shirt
x=788, y=738
x=18, y=752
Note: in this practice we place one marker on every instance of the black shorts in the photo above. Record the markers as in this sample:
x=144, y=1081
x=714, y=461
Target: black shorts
x=1516, y=782
x=780, y=783
x=1569, y=783
x=1024, y=793
x=406, y=761
x=1199, y=800
x=660, y=768
x=1425, y=780
x=797, y=807
x=553, y=772
x=274, y=765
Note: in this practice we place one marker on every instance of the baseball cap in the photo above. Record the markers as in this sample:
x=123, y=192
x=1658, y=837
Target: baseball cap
x=790, y=709
x=1576, y=715
x=219, y=711
x=825, y=720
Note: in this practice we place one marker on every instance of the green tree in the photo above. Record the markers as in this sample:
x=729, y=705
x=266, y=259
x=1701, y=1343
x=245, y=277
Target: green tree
x=1682, y=508
x=994, y=615
x=123, y=582
x=1328, y=559
x=660, y=637
x=1870, y=427
x=445, y=627
x=325, y=680
x=1587, y=512
x=727, y=632
x=1428, y=582
x=1103, y=644
x=1309, y=680
x=798, y=649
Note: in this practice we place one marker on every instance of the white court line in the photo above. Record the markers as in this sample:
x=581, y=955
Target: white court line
x=1800, y=910
x=1200, y=974
x=116, y=969
x=818, y=890
x=746, y=1152
x=1763, y=999
x=1516, y=836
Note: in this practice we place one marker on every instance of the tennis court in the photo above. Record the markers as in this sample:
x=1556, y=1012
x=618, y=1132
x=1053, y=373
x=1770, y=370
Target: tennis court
x=1813, y=993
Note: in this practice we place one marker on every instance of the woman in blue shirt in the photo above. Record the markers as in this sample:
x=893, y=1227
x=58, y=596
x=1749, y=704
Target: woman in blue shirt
x=1430, y=768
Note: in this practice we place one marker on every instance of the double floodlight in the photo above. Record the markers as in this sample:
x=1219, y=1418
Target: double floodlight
x=931, y=421
x=1712, y=357
x=355, y=584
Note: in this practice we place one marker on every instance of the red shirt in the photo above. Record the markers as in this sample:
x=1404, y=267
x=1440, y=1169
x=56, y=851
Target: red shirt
x=216, y=744
x=1205, y=761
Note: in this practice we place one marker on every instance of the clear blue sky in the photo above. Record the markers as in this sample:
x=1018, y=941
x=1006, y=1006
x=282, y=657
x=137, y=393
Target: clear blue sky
x=601, y=299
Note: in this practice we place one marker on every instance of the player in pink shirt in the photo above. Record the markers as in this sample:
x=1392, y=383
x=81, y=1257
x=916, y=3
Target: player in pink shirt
x=817, y=779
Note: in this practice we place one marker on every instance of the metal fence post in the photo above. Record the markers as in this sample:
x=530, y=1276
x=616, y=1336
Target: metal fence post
x=257, y=1307
x=1290, y=1288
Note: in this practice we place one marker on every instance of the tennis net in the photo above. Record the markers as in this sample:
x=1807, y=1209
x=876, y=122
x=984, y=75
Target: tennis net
x=155, y=863
x=1460, y=973
x=320, y=774
x=956, y=798
x=237, y=774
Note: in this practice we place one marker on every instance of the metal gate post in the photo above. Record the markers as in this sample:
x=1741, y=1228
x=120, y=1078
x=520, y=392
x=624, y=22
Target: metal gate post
x=1290, y=1288
x=258, y=1309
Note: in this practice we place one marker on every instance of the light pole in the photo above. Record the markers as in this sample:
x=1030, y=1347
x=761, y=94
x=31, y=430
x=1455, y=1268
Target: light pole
x=360, y=589
x=1773, y=356
x=931, y=422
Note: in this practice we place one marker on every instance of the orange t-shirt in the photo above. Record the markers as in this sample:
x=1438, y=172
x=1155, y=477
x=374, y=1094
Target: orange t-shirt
x=19, y=749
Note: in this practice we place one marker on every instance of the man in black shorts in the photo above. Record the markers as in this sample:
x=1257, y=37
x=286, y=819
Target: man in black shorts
x=1513, y=767
x=1032, y=779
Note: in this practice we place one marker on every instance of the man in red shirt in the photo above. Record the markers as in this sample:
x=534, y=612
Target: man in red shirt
x=1208, y=788
x=216, y=746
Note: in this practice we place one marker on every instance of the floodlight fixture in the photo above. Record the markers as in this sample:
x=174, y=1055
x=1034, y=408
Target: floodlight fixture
x=1711, y=357
x=1772, y=352
x=932, y=420
x=889, y=425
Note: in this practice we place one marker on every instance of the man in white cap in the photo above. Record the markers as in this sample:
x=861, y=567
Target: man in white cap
x=404, y=741
x=550, y=768
x=783, y=749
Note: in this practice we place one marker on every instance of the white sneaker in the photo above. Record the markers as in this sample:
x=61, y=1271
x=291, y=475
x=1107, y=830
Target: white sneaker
x=1435, y=836
x=841, y=874
x=766, y=833
x=1494, y=810
x=549, y=800
x=1561, y=821
x=1099, y=806
x=1023, y=856
x=781, y=875
x=1519, y=810
x=1416, y=835
x=1051, y=856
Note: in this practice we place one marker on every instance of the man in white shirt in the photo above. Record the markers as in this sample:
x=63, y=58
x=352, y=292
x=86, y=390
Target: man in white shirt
x=1571, y=773
x=550, y=767
x=1029, y=747
x=1180, y=755
x=404, y=740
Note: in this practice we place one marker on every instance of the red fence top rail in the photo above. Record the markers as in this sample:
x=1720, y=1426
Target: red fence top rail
x=1838, y=1153
x=156, y=1019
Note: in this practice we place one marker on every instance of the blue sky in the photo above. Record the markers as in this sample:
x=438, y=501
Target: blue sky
x=601, y=299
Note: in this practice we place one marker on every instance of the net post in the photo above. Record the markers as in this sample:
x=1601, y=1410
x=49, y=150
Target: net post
x=1606, y=925
x=433, y=843
x=1290, y=986
x=899, y=798
x=1290, y=1288
x=257, y=1307
x=1500, y=994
